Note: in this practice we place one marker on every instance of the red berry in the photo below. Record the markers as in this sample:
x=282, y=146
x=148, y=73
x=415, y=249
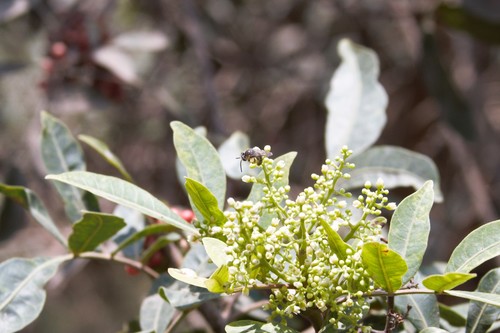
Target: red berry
x=131, y=270
x=187, y=215
x=155, y=260
x=58, y=50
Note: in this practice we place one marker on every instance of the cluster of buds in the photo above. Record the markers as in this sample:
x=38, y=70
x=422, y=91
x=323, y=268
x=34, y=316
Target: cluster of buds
x=285, y=245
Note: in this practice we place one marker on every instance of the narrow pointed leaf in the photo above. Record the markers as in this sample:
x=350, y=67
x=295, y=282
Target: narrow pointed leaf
x=337, y=244
x=481, y=316
x=424, y=309
x=447, y=281
x=205, y=202
x=92, y=230
x=200, y=159
x=385, y=266
x=157, y=245
x=250, y=326
x=218, y=280
x=125, y=194
x=216, y=250
x=21, y=290
x=356, y=101
x=398, y=167
x=62, y=153
x=480, y=245
x=491, y=299
x=32, y=203
x=103, y=150
x=155, y=314
x=410, y=227
x=152, y=229
x=453, y=317
x=433, y=330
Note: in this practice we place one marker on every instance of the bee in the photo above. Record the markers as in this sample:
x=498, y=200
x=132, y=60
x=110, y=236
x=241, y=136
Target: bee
x=253, y=155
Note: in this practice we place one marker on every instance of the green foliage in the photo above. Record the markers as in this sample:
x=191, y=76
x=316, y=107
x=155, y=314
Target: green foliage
x=318, y=253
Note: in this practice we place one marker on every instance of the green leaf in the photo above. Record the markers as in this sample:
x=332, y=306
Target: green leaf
x=205, y=202
x=218, y=280
x=21, y=290
x=424, y=309
x=410, y=227
x=157, y=245
x=337, y=244
x=103, y=150
x=487, y=298
x=92, y=230
x=230, y=151
x=453, y=317
x=250, y=326
x=188, y=276
x=356, y=101
x=62, y=153
x=151, y=229
x=465, y=20
x=185, y=296
x=481, y=316
x=433, y=330
x=200, y=159
x=480, y=245
x=398, y=167
x=257, y=191
x=155, y=314
x=385, y=266
x=216, y=250
x=30, y=201
x=447, y=281
x=125, y=194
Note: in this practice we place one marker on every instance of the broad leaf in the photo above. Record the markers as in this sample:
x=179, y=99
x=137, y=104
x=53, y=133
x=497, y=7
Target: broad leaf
x=156, y=314
x=108, y=155
x=250, y=326
x=481, y=316
x=218, y=280
x=62, y=153
x=30, y=201
x=135, y=223
x=424, y=309
x=337, y=244
x=152, y=229
x=480, y=245
x=92, y=230
x=21, y=290
x=124, y=193
x=491, y=299
x=356, y=101
x=186, y=296
x=157, y=245
x=398, y=167
x=385, y=266
x=200, y=159
x=216, y=250
x=205, y=202
x=188, y=276
x=447, y=281
x=410, y=227
x=230, y=151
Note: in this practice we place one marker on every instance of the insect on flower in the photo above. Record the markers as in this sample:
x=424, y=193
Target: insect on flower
x=254, y=155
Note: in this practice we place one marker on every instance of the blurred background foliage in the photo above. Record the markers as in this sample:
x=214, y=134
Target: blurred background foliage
x=122, y=70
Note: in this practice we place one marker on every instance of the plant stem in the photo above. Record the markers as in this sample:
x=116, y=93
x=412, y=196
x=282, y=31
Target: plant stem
x=105, y=256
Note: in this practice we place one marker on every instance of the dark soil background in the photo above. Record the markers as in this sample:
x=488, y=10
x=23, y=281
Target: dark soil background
x=261, y=67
